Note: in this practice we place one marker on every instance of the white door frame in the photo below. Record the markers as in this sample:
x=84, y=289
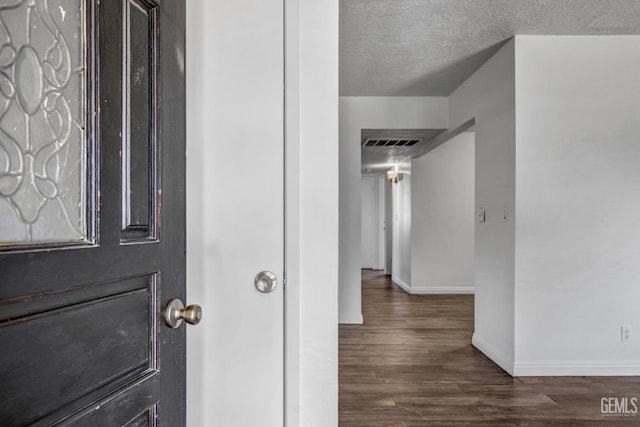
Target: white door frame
x=292, y=214
x=368, y=190
x=381, y=223
x=311, y=213
x=378, y=221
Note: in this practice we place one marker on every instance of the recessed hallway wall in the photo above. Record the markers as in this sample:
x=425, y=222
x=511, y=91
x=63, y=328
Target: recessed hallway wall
x=442, y=231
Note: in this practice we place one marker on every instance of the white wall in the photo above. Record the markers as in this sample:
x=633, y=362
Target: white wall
x=401, y=223
x=358, y=113
x=563, y=281
x=489, y=96
x=578, y=204
x=442, y=220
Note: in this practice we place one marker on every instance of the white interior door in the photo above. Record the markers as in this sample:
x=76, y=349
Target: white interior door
x=235, y=184
x=368, y=220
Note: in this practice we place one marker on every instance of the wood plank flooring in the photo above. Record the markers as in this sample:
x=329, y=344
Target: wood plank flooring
x=412, y=364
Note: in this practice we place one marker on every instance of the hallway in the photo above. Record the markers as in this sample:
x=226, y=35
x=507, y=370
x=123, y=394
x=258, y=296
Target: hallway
x=412, y=364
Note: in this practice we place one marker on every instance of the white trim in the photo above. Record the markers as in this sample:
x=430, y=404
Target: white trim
x=438, y=290
x=492, y=353
x=560, y=368
x=398, y=281
x=354, y=319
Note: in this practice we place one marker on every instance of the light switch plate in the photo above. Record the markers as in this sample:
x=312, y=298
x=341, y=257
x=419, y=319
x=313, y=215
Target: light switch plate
x=481, y=215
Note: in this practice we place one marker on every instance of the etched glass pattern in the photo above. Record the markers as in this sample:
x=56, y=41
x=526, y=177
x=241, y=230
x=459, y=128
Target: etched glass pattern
x=42, y=122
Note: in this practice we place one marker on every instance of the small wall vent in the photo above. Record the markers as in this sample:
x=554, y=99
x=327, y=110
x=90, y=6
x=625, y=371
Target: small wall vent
x=374, y=142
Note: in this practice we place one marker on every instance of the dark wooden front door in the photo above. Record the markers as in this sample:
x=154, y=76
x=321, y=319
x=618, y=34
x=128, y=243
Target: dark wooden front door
x=92, y=212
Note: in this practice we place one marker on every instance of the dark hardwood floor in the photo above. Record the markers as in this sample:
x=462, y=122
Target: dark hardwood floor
x=412, y=364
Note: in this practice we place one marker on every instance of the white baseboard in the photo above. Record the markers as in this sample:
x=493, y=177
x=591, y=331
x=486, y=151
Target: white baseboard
x=353, y=319
x=559, y=368
x=432, y=290
x=437, y=290
x=398, y=281
x=493, y=354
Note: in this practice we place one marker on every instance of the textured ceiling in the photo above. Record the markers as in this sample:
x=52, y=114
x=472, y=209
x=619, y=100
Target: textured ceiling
x=429, y=47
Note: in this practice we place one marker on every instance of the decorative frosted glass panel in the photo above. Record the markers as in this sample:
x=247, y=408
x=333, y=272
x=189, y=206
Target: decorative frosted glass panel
x=42, y=122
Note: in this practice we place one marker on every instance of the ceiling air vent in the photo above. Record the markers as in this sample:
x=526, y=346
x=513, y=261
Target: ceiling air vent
x=371, y=142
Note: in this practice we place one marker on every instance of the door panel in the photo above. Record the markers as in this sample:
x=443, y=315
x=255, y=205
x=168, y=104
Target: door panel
x=236, y=198
x=139, y=143
x=70, y=332
x=81, y=314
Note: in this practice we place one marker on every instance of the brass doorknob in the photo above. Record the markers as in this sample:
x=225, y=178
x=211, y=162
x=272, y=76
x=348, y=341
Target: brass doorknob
x=176, y=312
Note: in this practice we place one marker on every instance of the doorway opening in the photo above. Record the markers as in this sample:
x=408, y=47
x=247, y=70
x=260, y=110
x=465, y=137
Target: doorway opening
x=418, y=309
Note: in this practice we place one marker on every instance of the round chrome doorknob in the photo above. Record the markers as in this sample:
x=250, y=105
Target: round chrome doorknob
x=176, y=312
x=266, y=282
